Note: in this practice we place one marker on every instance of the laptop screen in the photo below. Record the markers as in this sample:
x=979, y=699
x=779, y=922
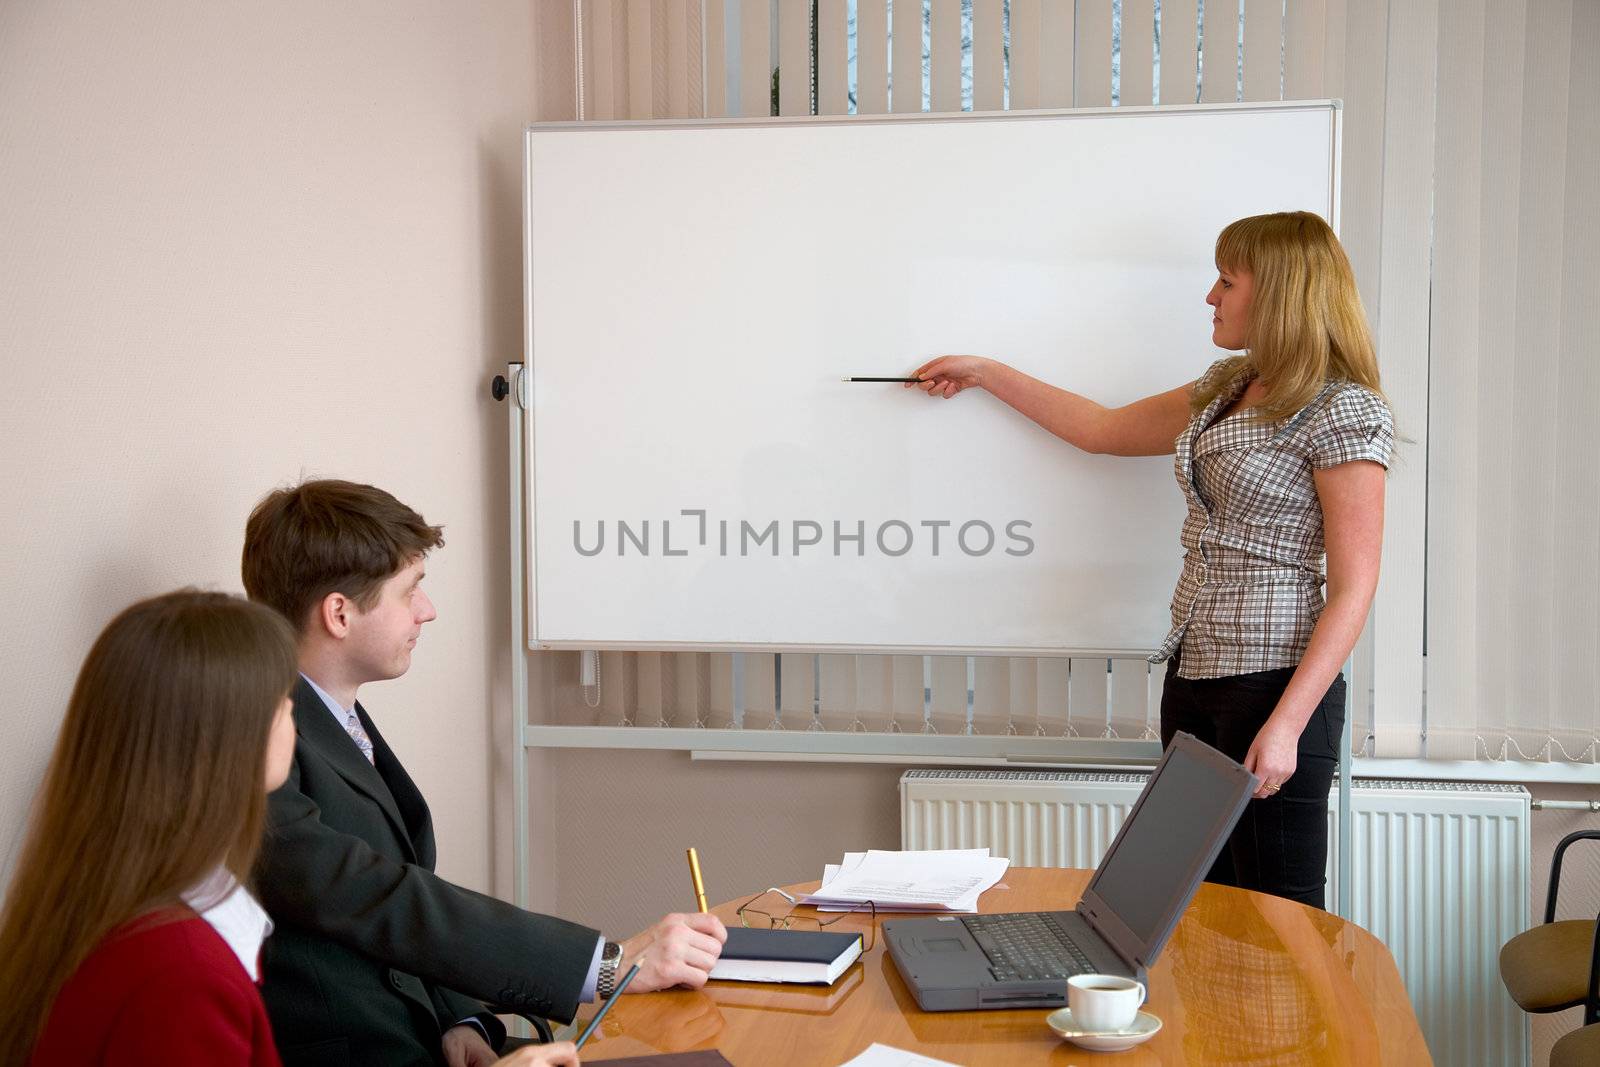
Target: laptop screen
x=1149, y=874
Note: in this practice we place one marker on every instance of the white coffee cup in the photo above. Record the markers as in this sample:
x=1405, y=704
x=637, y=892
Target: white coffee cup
x=1101, y=1002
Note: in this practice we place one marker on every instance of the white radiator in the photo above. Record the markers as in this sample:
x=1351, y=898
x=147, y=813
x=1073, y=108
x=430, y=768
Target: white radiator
x=1439, y=875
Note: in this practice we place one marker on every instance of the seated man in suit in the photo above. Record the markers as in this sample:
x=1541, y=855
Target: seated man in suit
x=375, y=959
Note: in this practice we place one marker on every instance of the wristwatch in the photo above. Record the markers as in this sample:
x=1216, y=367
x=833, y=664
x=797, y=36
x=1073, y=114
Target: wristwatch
x=610, y=961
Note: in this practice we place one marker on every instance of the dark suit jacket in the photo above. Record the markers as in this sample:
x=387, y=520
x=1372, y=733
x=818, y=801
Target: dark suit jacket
x=373, y=956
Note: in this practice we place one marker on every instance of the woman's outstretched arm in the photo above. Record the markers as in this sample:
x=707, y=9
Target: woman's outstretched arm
x=1147, y=427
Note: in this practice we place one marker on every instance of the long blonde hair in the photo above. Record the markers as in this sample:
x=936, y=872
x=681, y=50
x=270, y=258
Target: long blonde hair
x=1307, y=326
x=156, y=780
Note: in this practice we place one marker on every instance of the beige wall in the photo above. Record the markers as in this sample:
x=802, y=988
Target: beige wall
x=241, y=243
x=755, y=825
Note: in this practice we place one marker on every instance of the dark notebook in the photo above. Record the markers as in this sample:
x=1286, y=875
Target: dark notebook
x=786, y=955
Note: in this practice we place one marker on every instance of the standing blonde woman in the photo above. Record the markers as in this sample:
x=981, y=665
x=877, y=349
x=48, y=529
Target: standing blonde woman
x=128, y=935
x=1281, y=454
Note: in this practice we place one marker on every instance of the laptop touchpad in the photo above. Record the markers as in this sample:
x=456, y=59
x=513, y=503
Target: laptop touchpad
x=943, y=944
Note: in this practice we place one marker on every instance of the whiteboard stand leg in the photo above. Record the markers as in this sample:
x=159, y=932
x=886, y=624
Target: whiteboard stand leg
x=927, y=696
x=1346, y=831
x=519, y=658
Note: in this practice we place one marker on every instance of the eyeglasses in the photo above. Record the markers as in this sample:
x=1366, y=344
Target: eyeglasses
x=760, y=919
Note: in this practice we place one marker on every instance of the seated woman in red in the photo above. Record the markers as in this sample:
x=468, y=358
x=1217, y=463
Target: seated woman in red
x=128, y=935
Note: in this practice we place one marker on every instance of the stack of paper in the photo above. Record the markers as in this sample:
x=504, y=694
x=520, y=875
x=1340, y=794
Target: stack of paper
x=944, y=880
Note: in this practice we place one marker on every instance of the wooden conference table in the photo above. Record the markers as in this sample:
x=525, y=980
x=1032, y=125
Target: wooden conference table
x=1246, y=978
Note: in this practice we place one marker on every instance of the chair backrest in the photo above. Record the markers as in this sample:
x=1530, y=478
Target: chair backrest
x=1555, y=868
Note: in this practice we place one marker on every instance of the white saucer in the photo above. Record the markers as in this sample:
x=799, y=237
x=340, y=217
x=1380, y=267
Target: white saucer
x=1143, y=1029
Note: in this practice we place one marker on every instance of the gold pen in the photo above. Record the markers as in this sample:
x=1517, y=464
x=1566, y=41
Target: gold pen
x=699, y=886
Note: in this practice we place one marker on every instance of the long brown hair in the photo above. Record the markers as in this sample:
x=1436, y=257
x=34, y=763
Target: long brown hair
x=156, y=780
x=1307, y=326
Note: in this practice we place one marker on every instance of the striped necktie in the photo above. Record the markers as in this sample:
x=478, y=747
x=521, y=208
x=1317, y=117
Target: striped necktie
x=352, y=726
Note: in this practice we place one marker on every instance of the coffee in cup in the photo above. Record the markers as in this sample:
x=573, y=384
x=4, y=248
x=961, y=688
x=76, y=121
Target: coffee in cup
x=1101, y=1002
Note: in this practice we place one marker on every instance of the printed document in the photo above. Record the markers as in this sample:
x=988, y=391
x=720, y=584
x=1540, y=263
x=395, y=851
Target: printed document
x=942, y=880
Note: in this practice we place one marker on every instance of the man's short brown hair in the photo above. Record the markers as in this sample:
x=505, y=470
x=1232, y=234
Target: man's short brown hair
x=329, y=536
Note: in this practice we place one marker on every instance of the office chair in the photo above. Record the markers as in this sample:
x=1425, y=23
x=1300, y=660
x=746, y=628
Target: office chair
x=1556, y=965
x=542, y=1034
x=1581, y=1048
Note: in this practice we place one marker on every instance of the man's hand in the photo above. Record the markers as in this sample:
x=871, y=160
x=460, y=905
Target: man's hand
x=680, y=950
x=559, y=1054
x=464, y=1046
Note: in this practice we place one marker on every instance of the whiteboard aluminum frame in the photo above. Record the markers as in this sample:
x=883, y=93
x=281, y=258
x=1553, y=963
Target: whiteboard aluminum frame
x=902, y=117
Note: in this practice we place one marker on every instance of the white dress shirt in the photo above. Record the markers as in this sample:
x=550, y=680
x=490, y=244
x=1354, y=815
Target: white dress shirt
x=234, y=914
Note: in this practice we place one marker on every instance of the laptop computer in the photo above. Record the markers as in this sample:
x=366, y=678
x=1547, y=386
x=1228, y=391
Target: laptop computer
x=1145, y=881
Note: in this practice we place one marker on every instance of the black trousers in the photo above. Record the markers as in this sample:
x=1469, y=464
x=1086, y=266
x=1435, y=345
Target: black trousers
x=1280, y=845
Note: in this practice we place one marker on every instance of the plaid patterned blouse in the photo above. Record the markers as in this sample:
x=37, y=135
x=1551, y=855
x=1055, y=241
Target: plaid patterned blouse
x=1251, y=587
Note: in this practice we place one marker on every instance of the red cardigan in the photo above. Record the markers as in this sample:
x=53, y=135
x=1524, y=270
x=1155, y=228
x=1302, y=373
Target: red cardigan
x=169, y=993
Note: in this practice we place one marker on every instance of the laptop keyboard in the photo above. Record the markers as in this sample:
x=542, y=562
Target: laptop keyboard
x=1027, y=947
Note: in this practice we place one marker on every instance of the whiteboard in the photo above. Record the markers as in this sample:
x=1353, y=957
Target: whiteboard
x=698, y=476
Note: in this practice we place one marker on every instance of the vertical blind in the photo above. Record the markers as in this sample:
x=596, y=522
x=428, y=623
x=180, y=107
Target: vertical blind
x=1514, y=389
x=1468, y=208
x=714, y=58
